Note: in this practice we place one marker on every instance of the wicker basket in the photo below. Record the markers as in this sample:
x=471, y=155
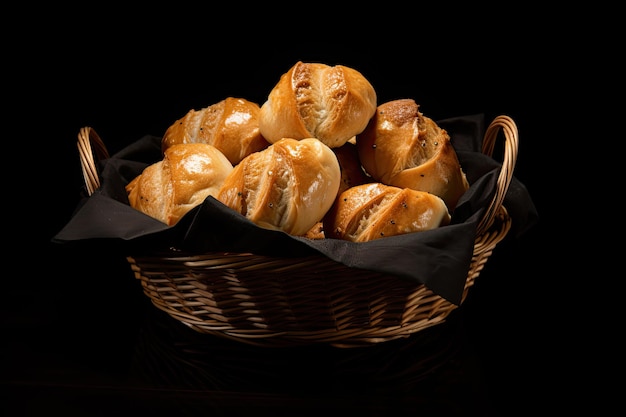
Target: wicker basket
x=270, y=301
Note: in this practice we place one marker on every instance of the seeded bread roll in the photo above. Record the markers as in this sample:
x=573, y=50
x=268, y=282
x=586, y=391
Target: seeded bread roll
x=330, y=103
x=288, y=186
x=373, y=211
x=183, y=179
x=231, y=125
x=404, y=148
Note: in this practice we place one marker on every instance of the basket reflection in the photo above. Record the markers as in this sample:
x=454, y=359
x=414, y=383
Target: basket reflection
x=168, y=354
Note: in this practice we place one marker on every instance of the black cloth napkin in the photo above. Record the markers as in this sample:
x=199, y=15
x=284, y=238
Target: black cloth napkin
x=439, y=258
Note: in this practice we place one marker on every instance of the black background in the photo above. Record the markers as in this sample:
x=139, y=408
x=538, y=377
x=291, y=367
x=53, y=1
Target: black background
x=76, y=320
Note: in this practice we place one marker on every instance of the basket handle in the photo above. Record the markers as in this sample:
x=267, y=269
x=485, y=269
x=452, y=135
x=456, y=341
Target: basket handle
x=507, y=126
x=89, y=145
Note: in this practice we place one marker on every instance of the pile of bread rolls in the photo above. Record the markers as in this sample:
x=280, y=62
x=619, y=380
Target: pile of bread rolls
x=320, y=158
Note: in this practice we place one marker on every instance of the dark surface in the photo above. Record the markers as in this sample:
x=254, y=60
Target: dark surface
x=80, y=338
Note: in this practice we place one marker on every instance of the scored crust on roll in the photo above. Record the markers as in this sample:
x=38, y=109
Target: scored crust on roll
x=288, y=186
x=183, y=179
x=402, y=147
x=231, y=125
x=330, y=103
x=375, y=210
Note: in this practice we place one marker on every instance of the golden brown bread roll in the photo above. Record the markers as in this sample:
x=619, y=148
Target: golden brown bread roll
x=183, y=179
x=330, y=103
x=288, y=186
x=231, y=125
x=402, y=147
x=375, y=210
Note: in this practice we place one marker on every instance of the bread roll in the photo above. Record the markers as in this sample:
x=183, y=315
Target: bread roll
x=183, y=179
x=402, y=147
x=288, y=186
x=330, y=103
x=375, y=210
x=231, y=125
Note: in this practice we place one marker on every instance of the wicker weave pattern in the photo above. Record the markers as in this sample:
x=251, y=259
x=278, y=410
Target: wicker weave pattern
x=281, y=302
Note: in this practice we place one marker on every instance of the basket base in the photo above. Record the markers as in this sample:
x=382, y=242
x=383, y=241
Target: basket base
x=268, y=301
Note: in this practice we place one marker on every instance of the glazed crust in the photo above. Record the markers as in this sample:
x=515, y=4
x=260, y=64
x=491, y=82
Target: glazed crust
x=404, y=148
x=330, y=103
x=374, y=210
x=288, y=186
x=184, y=178
x=231, y=125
